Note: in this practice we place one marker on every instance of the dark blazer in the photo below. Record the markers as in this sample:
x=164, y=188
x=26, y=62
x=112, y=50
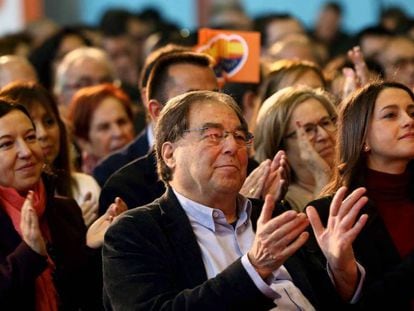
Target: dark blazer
x=74, y=277
x=137, y=183
x=389, y=281
x=135, y=149
x=151, y=261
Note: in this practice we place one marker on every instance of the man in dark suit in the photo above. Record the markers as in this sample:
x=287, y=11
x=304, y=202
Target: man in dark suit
x=143, y=142
x=172, y=74
x=135, y=149
x=197, y=247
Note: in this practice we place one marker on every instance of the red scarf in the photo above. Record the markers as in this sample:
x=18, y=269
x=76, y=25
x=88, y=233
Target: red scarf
x=12, y=202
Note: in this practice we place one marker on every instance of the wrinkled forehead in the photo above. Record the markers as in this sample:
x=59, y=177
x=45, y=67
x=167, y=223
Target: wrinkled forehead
x=212, y=111
x=89, y=68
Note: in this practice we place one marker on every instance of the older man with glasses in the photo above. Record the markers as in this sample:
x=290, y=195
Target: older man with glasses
x=198, y=246
x=82, y=67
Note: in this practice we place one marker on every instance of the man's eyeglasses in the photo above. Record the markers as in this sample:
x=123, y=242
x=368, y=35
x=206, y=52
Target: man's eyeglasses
x=328, y=124
x=215, y=135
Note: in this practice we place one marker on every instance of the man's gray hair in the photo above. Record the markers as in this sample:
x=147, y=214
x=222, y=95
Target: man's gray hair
x=76, y=56
x=173, y=121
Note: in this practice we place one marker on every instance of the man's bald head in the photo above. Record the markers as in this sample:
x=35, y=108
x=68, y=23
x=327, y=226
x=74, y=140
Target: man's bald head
x=15, y=68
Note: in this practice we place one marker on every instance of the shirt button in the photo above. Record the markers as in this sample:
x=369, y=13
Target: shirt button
x=215, y=214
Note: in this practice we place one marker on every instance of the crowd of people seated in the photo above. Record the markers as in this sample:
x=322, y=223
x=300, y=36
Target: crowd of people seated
x=131, y=178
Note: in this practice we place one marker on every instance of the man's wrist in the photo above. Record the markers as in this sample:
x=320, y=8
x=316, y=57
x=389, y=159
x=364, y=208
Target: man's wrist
x=263, y=272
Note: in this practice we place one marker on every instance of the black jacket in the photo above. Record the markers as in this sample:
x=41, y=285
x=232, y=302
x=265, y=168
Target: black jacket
x=75, y=276
x=135, y=149
x=152, y=261
x=389, y=281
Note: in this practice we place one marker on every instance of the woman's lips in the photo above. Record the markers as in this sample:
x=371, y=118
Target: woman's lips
x=407, y=135
x=27, y=166
x=326, y=151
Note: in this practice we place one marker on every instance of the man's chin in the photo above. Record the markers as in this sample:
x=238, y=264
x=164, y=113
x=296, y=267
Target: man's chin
x=231, y=186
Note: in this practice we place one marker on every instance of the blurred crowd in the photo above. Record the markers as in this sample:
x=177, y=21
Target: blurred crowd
x=90, y=126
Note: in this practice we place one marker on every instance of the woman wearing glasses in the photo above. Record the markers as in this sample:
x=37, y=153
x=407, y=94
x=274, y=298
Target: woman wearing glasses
x=300, y=121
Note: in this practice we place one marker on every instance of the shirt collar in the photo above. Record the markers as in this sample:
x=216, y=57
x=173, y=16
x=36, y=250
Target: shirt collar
x=150, y=134
x=208, y=217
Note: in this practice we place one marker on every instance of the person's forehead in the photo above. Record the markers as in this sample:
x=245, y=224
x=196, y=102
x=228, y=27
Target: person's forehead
x=310, y=110
x=392, y=95
x=19, y=71
x=89, y=62
x=88, y=68
x=195, y=71
x=212, y=111
x=110, y=108
x=8, y=124
x=190, y=77
x=39, y=109
x=400, y=47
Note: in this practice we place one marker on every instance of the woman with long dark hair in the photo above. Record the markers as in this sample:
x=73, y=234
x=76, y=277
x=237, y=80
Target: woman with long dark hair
x=52, y=135
x=375, y=150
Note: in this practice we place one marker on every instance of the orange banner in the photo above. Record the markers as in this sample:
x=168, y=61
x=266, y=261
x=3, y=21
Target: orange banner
x=236, y=53
x=33, y=10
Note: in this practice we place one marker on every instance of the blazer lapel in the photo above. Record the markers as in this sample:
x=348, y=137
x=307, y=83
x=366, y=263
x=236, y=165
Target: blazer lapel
x=182, y=239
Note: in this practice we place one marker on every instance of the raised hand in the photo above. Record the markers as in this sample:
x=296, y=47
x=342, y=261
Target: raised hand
x=29, y=226
x=89, y=208
x=319, y=168
x=357, y=76
x=336, y=239
x=350, y=81
x=276, y=238
x=96, y=232
x=270, y=177
x=361, y=70
x=277, y=181
x=254, y=183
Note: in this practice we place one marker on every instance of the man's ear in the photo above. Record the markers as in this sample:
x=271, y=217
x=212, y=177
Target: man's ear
x=167, y=153
x=154, y=108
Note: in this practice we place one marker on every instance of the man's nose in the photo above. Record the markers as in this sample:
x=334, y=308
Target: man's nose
x=230, y=143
